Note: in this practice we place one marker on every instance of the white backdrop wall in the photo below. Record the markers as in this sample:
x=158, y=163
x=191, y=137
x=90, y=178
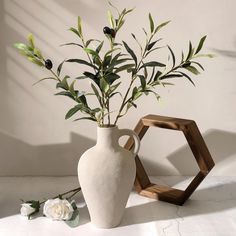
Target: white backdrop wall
x=34, y=137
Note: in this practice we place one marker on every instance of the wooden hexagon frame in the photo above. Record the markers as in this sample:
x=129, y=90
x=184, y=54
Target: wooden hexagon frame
x=199, y=149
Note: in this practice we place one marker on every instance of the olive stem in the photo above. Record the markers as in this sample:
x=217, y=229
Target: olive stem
x=82, y=39
x=132, y=81
x=55, y=75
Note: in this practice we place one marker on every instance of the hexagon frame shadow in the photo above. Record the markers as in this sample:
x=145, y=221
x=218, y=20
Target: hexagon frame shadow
x=199, y=149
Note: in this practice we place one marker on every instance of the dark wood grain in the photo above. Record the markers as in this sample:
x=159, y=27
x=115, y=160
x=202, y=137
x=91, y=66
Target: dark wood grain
x=199, y=149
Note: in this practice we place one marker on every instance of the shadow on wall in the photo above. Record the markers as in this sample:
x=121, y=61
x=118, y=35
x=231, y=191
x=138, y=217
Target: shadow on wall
x=153, y=167
x=221, y=144
x=85, y=8
x=226, y=53
x=6, y=113
x=10, y=84
x=24, y=159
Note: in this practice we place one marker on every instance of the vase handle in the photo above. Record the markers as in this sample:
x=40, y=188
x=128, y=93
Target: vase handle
x=133, y=135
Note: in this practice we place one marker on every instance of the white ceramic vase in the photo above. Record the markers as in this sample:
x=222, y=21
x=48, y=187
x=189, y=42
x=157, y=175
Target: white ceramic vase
x=106, y=175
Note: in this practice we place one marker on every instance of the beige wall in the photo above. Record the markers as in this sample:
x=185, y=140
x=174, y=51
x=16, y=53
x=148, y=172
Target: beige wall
x=34, y=137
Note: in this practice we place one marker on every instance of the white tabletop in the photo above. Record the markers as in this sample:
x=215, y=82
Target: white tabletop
x=211, y=211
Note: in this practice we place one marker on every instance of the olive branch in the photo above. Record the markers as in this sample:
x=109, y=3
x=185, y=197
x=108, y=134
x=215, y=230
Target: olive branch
x=104, y=68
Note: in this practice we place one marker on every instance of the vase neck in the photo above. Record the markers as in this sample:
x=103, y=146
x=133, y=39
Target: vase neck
x=107, y=136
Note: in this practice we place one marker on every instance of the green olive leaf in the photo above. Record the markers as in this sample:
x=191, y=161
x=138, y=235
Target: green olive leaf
x=80, y=27
x=111, y=19
x=173, y=56
x=202, y=40
x=31, y=40
x=151, y=22
x=152, y=64
x=161, y=26
x=131, y=52
x=72, y=111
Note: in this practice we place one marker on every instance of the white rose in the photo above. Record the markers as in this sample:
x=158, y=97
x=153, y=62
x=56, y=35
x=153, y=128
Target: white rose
x=58, y=209
x=26, y=209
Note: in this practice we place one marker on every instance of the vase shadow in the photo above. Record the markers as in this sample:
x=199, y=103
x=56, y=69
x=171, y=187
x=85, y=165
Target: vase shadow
x=27, y=162
x=84, y=216
x=26, y=159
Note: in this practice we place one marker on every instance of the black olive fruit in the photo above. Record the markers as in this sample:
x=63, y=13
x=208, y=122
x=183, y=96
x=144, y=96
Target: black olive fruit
x=48, y=64
x=106, y=30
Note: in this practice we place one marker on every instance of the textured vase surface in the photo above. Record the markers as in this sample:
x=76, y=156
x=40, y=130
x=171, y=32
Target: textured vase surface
x=106, y=174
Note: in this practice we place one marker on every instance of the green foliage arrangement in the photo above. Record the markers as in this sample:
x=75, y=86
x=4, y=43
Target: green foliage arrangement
x=104, y=68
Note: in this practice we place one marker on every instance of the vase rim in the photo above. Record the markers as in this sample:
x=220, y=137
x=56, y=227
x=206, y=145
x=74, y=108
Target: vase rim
x=107, y=127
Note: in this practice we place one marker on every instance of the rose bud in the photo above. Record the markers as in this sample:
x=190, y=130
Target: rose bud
x=29, y=208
